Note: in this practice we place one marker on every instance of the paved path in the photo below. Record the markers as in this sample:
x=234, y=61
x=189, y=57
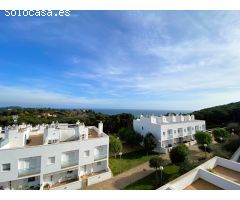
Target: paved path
x=126, y=178
x=122, y=180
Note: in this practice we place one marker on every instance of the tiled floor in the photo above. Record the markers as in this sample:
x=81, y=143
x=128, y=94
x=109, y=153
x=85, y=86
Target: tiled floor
x=227, y=173
x=201, y=184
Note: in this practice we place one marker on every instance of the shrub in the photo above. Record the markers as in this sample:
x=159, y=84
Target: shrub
x=203, y=138
x=115, y=145
x=150, y=142
x=185, y=167
x=179, y=154
x=130, y=136
x=233, y=127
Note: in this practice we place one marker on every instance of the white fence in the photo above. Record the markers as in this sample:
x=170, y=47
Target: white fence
x=99, y=178
x=70, y=186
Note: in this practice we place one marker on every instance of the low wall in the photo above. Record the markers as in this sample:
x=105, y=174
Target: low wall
x=70, y=186
x=99, y=178
x=229, y=164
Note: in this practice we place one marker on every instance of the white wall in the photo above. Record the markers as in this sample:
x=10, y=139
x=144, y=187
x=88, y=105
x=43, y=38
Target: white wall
x=99, y=178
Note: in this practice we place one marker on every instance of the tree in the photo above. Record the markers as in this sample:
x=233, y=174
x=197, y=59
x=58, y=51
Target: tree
x=179, y=154
x=233, y=128
x=115, y=145
x=150, y=142
x=203, y=138
x=220, y=133
x=155, y=162
x=130, y=136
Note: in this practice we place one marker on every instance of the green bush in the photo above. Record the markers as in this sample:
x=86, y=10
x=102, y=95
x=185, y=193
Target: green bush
x=130, y=136
x=179, y=154
x=203, y=138
x=150, y=142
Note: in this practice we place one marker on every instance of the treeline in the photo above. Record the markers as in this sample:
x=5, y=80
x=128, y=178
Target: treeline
x=220, y=116
x=34, y=116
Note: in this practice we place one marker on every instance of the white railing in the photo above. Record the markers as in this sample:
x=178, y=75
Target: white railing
x=69, y=186
x=99, y=178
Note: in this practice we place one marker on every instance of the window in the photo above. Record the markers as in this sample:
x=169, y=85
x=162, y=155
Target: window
x=51, y=160
x=99, y=163
x=142, y=128
x=31, y=179
x=6, y=167
x=184, y=130
x=175, y=131
x=192, y=128
x=86, y=153
x=163, y=133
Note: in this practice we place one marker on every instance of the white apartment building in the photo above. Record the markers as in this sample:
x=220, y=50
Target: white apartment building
x=56, y=156
x=169, y=130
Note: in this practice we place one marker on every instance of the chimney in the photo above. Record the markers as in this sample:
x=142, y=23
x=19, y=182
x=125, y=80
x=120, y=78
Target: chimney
x=100, y=128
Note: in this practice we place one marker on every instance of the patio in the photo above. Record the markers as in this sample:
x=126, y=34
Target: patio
x=227, y=173
x=201, y=184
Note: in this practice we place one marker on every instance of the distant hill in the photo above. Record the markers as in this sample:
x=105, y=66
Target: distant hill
x=34, y=116
x=220, y=115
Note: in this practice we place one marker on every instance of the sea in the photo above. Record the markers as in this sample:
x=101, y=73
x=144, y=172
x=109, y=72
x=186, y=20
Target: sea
x=139, y=112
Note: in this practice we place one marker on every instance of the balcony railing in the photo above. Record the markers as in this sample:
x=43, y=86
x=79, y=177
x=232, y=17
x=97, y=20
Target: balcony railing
x=180, y=134
x=170, y=136
x=69, y=163
x=26, y=172
x=100, y=157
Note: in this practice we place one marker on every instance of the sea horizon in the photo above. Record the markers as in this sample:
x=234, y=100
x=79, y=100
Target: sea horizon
x=138, y=112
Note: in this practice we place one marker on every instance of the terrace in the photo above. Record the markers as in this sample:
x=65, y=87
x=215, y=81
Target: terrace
x=35, y=140
x=201, y=184
x=92, y=133
x=227, y=173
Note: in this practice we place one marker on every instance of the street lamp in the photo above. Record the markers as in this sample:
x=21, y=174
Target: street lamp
x=161, y=170
x=232, y=131
x=205, y=149
x=120, y=155
x=221, y=139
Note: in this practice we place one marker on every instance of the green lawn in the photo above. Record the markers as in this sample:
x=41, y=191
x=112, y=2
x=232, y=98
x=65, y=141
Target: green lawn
x=149, y=182
x=128, y=161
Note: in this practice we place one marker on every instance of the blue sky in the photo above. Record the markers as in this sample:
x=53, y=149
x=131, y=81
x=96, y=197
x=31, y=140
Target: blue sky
x=182, y=60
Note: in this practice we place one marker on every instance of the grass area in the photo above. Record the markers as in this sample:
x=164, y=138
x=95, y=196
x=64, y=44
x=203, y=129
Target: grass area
x=150, y=182
x=128, y=161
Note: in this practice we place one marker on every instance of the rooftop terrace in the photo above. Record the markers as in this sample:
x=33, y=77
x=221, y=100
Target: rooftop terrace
x=201, y=184
x=227, y=173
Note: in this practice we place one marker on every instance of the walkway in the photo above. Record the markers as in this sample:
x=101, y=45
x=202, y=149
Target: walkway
x=126, y=178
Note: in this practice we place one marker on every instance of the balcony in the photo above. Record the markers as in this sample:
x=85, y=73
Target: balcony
x=169, y=137
x=69, y=163
x=100, y=157
x=28, y=172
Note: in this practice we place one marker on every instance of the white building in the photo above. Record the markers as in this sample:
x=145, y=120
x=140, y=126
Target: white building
x=215, y=174
x=169, y=130
x=56, y=156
